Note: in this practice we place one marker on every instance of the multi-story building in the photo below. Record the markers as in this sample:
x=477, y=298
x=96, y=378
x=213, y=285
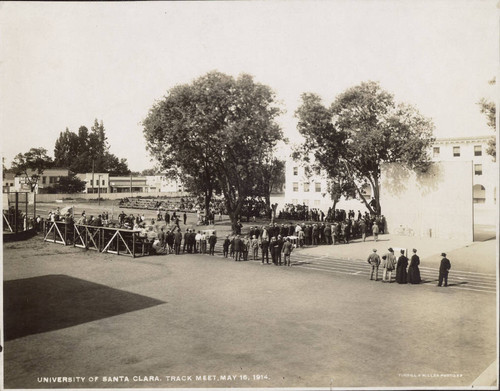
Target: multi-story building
x=307, y=186
x=311, y=188
x=485, y=175
x=162, y=184
x=95, y=182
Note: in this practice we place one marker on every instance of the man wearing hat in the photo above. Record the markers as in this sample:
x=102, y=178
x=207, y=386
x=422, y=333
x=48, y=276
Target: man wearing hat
x=388, y=265
x=444, y=268
x=374, y=261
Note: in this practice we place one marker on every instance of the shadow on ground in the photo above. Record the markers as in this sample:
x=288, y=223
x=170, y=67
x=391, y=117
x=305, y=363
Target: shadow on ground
x=52, y=302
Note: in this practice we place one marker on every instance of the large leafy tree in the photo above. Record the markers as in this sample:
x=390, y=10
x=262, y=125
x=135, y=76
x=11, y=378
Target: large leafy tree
x=218, y=131
x=488, y=108
x=87, y=151
x=31, y=165
x=362, y=129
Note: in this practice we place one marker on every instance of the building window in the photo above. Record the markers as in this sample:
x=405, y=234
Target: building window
x=317, y=187
x=435, y=152
x=305, y=202
x=295, y=186
x=53, y=179
x=306, y=187
x=479, y=194
x=91, y=184
x=44, y=180
x=478, y=169
x=456, y=151
x=317, y=202
x=478, y=151
x=103, y=182
x=295, y=201
x=295, y=171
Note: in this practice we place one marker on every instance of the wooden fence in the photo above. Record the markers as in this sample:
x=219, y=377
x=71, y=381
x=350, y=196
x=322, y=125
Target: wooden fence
x=117, y=241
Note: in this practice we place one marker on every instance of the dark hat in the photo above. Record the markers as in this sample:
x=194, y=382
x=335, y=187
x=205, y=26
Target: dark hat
x=414, y=250
x=391, y=250
x=443, y=254
x=374, y=250
x=402, y=251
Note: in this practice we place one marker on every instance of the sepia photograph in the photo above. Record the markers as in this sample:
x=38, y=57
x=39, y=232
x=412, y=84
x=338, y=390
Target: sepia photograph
x=257, y=195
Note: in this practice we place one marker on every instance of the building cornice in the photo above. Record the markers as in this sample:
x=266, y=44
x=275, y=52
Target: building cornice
x=456, y=140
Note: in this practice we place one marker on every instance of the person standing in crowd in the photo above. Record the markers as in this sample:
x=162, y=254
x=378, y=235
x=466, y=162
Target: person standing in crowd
x=177, y=241
x=401, y=274
x=444, y=269
x=225, y=246
x=287, y=251
x=362, y=227
x=184, y=217
x=170, y=237
x=231, y=246
x=255, y=247
x=161, y=238
x=413, y=270
x=238, y=248
x=301, y=238
x=246, y=247
x=186, y=241
x=279, y=243
x=212, y=240
x=389, y=265
x=197, y=243
x=203, y=243
x=375, y=231
x=374, y=261
x=328, y=234
x=167, y=218
x=264, y=245
x=273, y=246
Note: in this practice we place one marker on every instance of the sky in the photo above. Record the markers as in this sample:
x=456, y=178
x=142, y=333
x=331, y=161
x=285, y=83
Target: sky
x=65, y=64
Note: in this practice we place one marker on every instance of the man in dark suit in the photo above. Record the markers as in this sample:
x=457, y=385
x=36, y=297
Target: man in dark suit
x=238, y=248
x=177, y=242
x=444, y=268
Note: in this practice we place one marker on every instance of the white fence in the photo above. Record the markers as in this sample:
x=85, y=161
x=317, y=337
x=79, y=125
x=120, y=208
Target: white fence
x=104, y=196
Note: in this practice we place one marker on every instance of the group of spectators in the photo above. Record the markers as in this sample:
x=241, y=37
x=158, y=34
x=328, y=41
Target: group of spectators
x=407, y=270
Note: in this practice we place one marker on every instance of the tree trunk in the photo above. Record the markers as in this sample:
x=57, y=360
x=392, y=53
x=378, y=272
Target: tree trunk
x=376, y=193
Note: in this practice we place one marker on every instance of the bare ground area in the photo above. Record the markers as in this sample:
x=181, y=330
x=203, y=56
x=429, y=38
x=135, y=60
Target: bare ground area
x=71, y=313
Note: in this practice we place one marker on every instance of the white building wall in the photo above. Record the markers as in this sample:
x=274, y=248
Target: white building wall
x=436, y=204
x=488, y=178
x=303, y=189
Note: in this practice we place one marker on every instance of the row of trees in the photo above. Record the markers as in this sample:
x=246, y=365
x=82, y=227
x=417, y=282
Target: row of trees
x=85, y=151
x=220, y=134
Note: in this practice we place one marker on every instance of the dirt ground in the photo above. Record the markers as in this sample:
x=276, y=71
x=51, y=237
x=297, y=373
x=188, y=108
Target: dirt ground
x=201, y=321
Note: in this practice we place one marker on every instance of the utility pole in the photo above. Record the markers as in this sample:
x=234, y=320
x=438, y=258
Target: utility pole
x=99, y=190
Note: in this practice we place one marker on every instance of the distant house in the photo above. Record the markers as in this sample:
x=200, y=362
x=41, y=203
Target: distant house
x=49, y=178
x=8, y=182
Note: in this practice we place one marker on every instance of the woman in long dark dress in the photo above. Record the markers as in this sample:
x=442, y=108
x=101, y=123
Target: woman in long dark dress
x=401, y=275
x=413, y=270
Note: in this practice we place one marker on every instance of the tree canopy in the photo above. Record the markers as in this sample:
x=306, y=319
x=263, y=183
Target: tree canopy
x=488, y=108
x=362, y=129
x=77, y=152
x=218, y=132
x=31, y=165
